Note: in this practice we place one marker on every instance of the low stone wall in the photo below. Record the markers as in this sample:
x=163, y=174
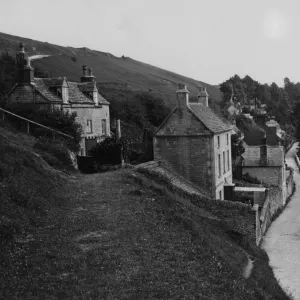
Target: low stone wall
x=195, y=197
x=290, y=185
x=263, y=219
x=239, y=215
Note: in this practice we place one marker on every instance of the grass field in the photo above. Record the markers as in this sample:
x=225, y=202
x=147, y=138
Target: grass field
x=116, y=235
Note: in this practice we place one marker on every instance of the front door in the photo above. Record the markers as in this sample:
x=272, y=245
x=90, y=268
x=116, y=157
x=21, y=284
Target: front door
x=89, y=144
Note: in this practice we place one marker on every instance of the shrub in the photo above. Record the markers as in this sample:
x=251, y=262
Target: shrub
x=109, y=151
x=59, y=120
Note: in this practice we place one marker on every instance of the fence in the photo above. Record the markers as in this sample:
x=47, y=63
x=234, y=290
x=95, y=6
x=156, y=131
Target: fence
x=28, y=124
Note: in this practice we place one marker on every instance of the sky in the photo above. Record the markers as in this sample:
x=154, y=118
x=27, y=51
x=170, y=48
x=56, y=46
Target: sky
x=208, y=40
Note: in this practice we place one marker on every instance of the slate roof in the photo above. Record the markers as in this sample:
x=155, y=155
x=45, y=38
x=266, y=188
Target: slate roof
x=76, y=96
x=209, y=118
x=90, y=87
x=42, y=88
x=76, y=90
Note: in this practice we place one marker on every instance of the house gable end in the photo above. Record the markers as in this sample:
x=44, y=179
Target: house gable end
x=182, y=122
x=26, y=93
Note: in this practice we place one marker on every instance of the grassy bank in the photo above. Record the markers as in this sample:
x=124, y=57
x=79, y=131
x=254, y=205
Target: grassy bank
x=116, y=235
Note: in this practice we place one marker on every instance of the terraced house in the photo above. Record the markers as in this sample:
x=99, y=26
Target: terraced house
x=195, y=143
x=80, y=97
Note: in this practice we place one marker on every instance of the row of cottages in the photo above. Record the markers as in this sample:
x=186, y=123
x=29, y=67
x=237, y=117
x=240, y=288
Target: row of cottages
x=195, y=143
x=80, y=97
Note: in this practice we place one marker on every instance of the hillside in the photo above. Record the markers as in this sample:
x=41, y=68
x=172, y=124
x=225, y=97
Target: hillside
x=117, y=235
x=67, y=61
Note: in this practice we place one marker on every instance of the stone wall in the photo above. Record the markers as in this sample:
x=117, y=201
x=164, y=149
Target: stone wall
x=268, y=175
x=96, y=114
x=189, y=156
x=289, y=184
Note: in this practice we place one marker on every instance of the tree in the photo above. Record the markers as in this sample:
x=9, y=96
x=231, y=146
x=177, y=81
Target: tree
x=8, y=69
x=109, y=151
x=56, y=119
x=237, y=146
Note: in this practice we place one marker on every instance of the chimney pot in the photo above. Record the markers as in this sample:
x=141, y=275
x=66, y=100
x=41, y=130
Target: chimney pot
x=182, y=96
x=202, y=95
x=84, y=70
x=90, y=72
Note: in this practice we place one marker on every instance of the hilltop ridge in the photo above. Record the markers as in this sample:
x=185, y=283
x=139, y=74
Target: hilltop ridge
x=67, y=61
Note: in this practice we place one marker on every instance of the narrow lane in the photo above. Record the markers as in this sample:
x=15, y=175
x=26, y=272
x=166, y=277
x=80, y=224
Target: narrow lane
x=282, y=241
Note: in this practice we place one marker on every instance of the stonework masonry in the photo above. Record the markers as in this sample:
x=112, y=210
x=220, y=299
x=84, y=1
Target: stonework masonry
x=196, y=144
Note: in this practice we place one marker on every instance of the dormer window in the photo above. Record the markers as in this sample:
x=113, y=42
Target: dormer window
x=57, y=91
x=89, y=95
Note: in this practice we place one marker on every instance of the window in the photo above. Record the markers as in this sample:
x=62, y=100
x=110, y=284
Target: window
x=227, y=138
x=56, y=91
x=89, y=127
x=224, y=162
x=219, y=163
x=104, y=129
x=218, y=142
x=228, y=161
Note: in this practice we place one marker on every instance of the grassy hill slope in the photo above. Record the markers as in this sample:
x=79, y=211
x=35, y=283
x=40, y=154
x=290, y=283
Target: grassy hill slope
x=67, y=61
x=116, y=235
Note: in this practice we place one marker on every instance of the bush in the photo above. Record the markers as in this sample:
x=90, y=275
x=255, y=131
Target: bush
x=109, y=151
x=56, y=119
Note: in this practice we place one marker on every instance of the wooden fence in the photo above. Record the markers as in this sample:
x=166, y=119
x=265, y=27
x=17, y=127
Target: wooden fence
x=29, y=123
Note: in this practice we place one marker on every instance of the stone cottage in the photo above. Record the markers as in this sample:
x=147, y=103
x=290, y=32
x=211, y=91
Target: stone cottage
x=194, y=142
x=80, y=97
x=267, y=164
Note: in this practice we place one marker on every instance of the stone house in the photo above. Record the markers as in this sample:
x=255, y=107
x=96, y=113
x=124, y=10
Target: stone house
x=267, y=164
x=196, y=144
x=50, y=93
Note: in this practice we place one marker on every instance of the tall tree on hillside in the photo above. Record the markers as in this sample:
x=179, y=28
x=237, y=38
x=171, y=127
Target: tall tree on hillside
x=264, y=94
x=239, y=89
x=251, y=87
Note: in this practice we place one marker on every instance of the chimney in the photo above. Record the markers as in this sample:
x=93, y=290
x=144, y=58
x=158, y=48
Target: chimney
x=182, y=96
x=203, y=95
x=25, y=73
x=263, y=151
x=87, y=75
x=22, y=47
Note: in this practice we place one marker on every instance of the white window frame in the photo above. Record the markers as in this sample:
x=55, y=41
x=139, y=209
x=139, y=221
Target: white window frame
x=89, y=126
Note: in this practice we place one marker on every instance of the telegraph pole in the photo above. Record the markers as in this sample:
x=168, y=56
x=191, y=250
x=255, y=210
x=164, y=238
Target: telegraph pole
x=118, y=137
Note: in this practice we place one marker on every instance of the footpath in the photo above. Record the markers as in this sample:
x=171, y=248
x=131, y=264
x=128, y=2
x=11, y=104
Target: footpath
x=282, y=241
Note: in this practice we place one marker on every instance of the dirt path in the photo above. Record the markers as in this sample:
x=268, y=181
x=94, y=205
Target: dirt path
x=282, y=241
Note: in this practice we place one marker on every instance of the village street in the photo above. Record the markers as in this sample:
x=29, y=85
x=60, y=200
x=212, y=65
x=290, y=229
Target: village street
x=282, y=241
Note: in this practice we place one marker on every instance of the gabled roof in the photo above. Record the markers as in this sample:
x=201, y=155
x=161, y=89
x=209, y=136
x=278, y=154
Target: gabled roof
x=208, y=118
x=76, y=96
x=76, y=90
x=91, y=87
x=43, y=89
x=101, y=100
